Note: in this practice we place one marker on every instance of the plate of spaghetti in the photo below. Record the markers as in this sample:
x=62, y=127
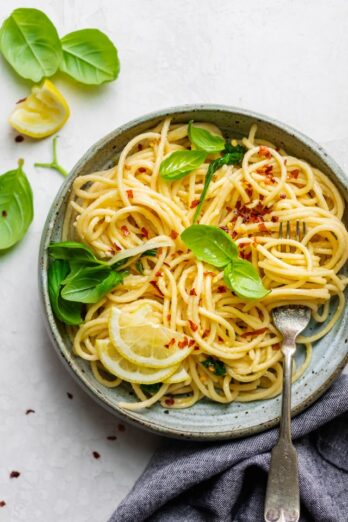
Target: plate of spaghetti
x=165, y=252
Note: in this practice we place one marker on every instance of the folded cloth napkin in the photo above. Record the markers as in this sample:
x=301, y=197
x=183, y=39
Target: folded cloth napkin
x=226, y=481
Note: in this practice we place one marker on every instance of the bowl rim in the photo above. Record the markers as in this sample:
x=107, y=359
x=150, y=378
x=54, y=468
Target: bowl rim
x=58, y=343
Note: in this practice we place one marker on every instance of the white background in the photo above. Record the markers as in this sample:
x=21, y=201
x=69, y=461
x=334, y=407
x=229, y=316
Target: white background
x=287, y=59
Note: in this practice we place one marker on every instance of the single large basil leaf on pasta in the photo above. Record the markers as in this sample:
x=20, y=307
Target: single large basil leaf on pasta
x=210, y=244
x=90, y=284
x=180, y=163
x=90, y=57
x=16, y=207
x=65, y=311
x=204, y=140
x=244, y=280
x=30, y=43
x=75, y=252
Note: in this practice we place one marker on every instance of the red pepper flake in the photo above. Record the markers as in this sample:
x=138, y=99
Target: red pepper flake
x=171, y=343
x=4, y=213
x=193, y=291
x=2, y=503
x=229, y=209
x=20, y=100
x=173, y=234
x=121, y=427
x=182, y=344
x=70, y=395
x=245, y=255
x=265, y=152
x=282, y=196
x=221, y=289
x=205, y=333
x=29, y=411
x=19, y=138
x=193, y=326
x=117, y=247
x=212, y=274
x=142, y=169
x=130, y=193
x=96, y=455
x=158, y=274
x=111, y=437
x=167, y=264
x=140, y=147
x=191, y=342
x=196, y=348
x=262, y=227
x=194, y=203
x=125, y=231
x=169, y=316
x=14, y=474
x=249, y=192
x=220, y=339
x=234, y=234
x=294, y=173
x=144, y=232
x=254, y=332
x=275, y=219
x=155, y=285
x=268, y=169
x=169, y=401
x=276, y=346
x=224, y=228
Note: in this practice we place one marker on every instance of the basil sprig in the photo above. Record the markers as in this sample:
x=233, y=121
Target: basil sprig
x=31, y=45
x=214, y=246
x=180, y=163
x=16, y=206
x=67, y=312
x=204, y=140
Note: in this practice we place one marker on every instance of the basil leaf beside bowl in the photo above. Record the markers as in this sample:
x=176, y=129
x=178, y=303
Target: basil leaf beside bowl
x=30, y=43
x=204, y=140
x=16, y=206
x=67, y=312
x=90, y=284
x=90, y=57
x=75, y=252
x=180, y=163
x=244, y=280
x=210, y=244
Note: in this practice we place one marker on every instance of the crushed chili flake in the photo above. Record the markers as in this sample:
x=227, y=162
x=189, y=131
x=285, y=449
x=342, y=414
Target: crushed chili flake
x=220, y=339
x=29, y=411
x=19, y=138
x=294, y=173
x=193, y=325
x=145, y=232
x=268, y=169
x=196, y=348
x=140, y=147
x=228, y=209
x=171, y=343
x=282, y=195
x=70, y=395
x=262, y=227
x=158, y=274
x=276, y=346
x=265, y=152
x=205, y=333
x=182, y=344
x=194, y=203
x=14, y=474
x=142, y=169
x=121, y=427
x=250, y=215
x=167, y=264
x=155, y=285
x=111, y=437
x=117, y=247
x=234, y=234
x=173, y=234
x=221, y=289
x=224, y=228
x=169, y=401
x=130, y=193
x=249, y=192
x=21, y=100
x=193, y=291
x=191, y=342
x=245, y=255
x=254, y=332
x=2, y=503
x=125, y=230
x=169, y=316
x=275, y=219
x=96, y=455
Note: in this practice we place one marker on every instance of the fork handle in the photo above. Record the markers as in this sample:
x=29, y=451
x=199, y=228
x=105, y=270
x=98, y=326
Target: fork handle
x=282, y=502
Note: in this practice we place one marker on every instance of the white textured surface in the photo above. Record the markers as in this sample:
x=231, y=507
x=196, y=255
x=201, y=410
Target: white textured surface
x=286, y=59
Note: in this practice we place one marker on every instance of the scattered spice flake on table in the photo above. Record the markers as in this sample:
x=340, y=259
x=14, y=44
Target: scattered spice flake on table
x=70, y=395
x=121, y=427
x=111, y=437
x=29, y=411
x=14, y=474
x=96, y=455
x=19, y=138
x=2, y=503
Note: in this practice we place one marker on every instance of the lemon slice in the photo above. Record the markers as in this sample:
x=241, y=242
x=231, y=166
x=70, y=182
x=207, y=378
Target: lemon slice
x=42, y=113
x=144, y=342
x=117, y=365
x=179, y=376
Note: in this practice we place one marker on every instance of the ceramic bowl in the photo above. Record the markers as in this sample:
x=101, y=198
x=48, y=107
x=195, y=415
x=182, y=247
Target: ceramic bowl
x=205, y=420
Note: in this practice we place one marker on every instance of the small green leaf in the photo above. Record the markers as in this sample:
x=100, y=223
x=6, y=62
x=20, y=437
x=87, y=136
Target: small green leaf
x=16, y=207
x=68, y=313
x=244, y=280
x=210, y=244
x=30, y=43
x=151, y=389
x=90, y=57
x=75, y=252
x=215, y=366
x=139, y=267
x=150, y=253
x=180, y=163
x=204, y=140
x=90, y=284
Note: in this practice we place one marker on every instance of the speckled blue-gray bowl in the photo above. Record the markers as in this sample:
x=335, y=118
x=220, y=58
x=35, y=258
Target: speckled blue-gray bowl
x=205, y=420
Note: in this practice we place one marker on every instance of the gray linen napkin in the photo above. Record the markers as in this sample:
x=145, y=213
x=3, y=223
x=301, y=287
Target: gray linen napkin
x=226, y=481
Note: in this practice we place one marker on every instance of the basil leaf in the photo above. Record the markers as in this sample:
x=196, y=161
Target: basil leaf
x=215, y=366
x=150, y=253
x=139, y=267
x=243, y=278
x=90, y=57
x=75, y=252
x=16, y=206
x=68, y=313
x=180, y=163
x=210, y=244
x=204, y=140
x=90, y=284
x=233, y=157
x=30, y=43
x=151, y=389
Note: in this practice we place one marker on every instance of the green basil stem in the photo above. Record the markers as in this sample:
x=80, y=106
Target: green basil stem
x=54, y=165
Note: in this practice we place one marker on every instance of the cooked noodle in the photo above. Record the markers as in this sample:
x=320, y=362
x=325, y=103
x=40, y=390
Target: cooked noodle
x=129, y=204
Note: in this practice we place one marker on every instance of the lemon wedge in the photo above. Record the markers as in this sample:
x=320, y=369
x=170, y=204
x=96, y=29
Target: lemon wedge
x=144, y=342
x=42, y=113
x=121, y=367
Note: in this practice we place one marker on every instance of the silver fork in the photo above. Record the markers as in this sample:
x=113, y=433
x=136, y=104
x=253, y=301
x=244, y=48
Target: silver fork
x=282, y=502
